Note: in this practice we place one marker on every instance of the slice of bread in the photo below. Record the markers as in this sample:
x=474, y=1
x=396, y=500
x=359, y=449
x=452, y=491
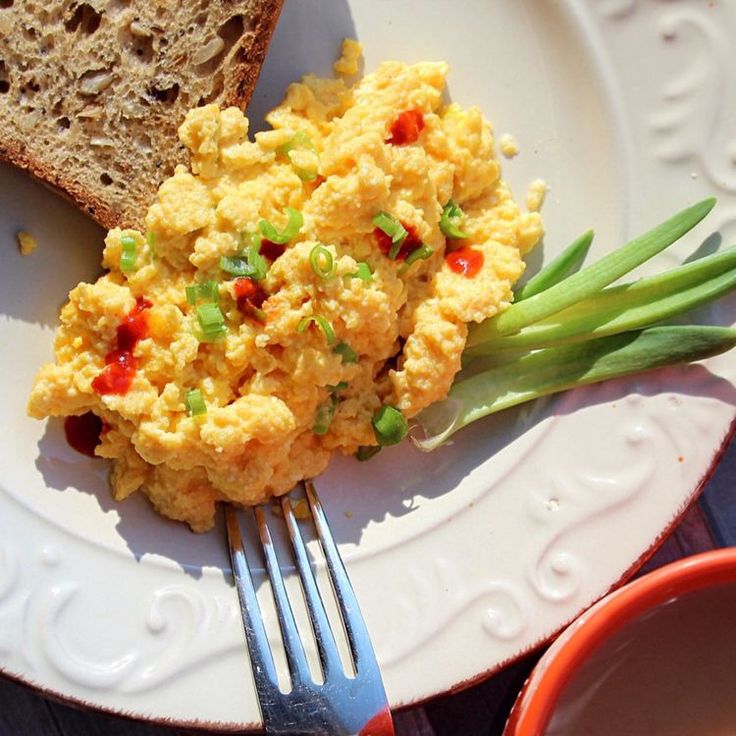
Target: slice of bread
x=92, y=93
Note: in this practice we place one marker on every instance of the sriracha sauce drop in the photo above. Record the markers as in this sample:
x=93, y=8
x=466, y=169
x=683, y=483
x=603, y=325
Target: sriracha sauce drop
x=83, y=432
x=412, y=241
x=248, y=294
x=120, y=363
x=271, y=250
x=406, y=128
x=466, y=261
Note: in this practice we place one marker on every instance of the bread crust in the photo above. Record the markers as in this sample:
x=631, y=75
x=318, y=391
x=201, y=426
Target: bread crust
x=240, y=86
x=72, y=191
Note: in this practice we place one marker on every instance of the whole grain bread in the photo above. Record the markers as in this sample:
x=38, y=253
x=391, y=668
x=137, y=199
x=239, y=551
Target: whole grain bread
x=91, y=93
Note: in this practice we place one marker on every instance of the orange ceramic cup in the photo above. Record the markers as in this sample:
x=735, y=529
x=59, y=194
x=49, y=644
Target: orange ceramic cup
x=542, y=693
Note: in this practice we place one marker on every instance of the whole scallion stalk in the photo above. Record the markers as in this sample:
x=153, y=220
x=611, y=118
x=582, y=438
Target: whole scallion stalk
x=592, y=279
x=567, y=329
x=550, y=370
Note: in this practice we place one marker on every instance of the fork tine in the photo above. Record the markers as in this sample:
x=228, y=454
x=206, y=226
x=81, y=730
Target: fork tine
x=295, y=655
x=255, y=632
x=318, y=616
x=364, y=657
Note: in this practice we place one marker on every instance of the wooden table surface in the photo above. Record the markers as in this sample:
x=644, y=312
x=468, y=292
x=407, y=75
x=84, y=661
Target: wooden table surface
x=479, y=710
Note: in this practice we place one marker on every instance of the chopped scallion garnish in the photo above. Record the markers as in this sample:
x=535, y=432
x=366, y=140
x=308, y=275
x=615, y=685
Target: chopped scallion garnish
x=151, y=242
x=323, y=418
x=321, y=261
x=366, y=452
x=299, y=140
x=389, y=425
x=451, y=214
x=393, y=228
x=321, y=322
x=128, y=253
x=293, y=226
x=341, y=386
x=304, y=174
x=250, y=240
x=207, y=291
x=235, y=266
x=250, y=263
x=418, y=254
x=363, y=272
x=347, y=354
x=211, y=320
x=195, y=403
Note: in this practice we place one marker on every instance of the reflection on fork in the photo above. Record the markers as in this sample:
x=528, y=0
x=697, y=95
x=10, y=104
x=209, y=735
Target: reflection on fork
x=344, y=703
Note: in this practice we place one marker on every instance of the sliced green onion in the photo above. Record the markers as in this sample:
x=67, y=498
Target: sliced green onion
x=250, y=240
x=559, y=268
x=451, y=213
x=363, y=272
x=321, y=261
x=258, y=314
x=341, y=386
x=323, y=417
x=293, y=226
x=366, y=452
x=389, y=425
x=592, y=279
x=256, y=262
x=299, y=140
x=207, y=291
x=211, y=320
x=235, y=266
x=321, y=322
x=195, y=403
x=304, y=174
x=393, y=228
x=347, y=354
x=128, y=254
x=421, y=253
x=151, y=242
x=251, y=264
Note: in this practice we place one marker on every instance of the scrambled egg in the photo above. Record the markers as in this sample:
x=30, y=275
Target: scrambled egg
x=271, y=374
x=26, y=242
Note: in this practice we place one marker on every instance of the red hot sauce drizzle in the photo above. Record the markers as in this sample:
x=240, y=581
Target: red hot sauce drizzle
x=412, y=241
x=466, y=261
x=120, y=363
x=271, y=250
x=406, y=128
x=249, y=296
x=83, y=432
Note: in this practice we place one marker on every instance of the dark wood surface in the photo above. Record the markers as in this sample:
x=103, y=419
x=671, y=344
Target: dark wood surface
x=478, y=711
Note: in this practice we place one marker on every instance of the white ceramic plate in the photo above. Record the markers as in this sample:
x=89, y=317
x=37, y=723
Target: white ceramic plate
x=462, y=559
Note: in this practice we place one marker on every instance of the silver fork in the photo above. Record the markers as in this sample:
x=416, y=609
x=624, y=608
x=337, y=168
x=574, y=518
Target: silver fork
x=343, y=704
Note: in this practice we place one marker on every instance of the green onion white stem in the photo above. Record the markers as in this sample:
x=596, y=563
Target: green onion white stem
x=569, y=330
x=560, y=368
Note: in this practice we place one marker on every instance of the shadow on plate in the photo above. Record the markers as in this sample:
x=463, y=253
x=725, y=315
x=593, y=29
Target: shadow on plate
x=35, y=286
x=398, y=483
x=307, y=40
